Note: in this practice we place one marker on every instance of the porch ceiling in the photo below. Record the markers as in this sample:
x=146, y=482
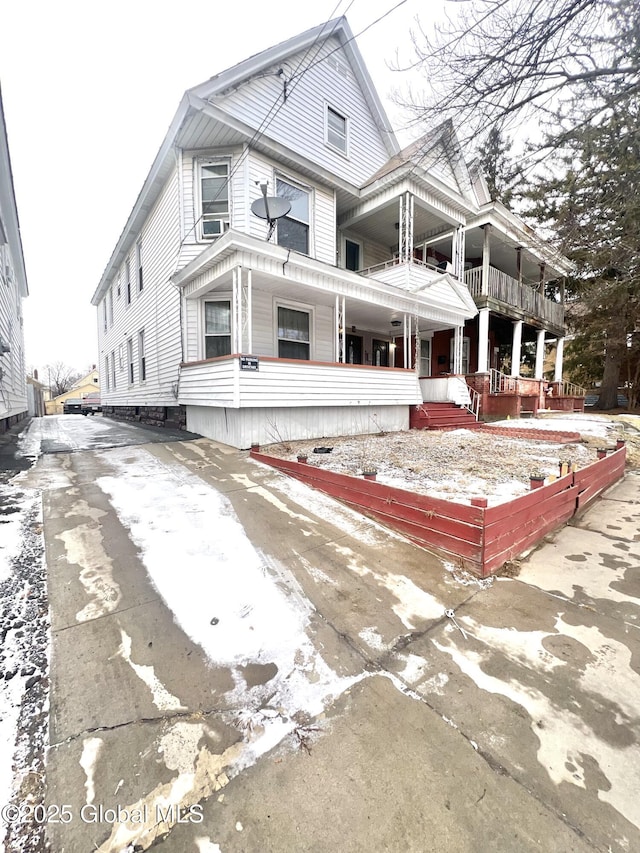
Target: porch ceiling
x=381, y=225
x=364, y=315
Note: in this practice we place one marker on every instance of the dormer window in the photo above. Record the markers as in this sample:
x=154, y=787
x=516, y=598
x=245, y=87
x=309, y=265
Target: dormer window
x=336, y=130
x=214, y=195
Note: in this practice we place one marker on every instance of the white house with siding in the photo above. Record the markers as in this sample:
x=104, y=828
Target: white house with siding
x=318, y=324
x=13, y=289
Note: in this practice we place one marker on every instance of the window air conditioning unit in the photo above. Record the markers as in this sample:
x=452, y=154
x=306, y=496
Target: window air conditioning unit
x=214, y=228
x=4, y=347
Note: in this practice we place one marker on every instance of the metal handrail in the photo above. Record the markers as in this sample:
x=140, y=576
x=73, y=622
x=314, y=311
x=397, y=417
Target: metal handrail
x=501, y=383
x=474, y=405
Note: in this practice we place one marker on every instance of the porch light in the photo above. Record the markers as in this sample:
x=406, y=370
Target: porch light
x=396, y=322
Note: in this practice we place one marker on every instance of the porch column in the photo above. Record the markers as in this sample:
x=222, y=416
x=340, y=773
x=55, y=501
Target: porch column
x=457, y=254
x=519, y=263
x=340, y=329
x=457, y=349
x=407, y=340
x=236, y=310
x=486, y=259
x=405, y=228
x=516, y=348
x=540, y=354
x=483, y=340
x=246, y=295
x=559, y=356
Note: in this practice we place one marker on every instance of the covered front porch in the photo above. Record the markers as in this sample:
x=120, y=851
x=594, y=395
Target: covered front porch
x=278, y=344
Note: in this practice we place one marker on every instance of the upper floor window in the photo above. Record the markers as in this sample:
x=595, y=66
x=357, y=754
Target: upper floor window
x=336, y=130
x=127, y=280
x=111, y=306
x=214, y=196
x=139, y=265
x=293, y=229
x=217, y=328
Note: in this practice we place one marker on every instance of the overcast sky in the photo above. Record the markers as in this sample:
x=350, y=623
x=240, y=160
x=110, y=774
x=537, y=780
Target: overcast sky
x=89, y=90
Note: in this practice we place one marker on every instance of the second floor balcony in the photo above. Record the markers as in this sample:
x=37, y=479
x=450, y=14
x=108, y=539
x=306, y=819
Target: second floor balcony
x=506, y=295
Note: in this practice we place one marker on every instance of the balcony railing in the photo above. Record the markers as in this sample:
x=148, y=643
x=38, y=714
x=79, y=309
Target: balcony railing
x=503, y=288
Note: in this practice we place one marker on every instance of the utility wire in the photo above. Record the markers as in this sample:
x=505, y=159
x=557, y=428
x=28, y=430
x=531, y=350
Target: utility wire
x=281, y=99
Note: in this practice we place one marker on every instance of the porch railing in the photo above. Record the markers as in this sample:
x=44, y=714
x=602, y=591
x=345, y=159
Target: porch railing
x=570, y=389
x=474, y=405
x=508, y=290
x=502, y=384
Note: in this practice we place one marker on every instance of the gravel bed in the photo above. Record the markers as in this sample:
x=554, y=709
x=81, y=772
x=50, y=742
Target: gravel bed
x=455, y=465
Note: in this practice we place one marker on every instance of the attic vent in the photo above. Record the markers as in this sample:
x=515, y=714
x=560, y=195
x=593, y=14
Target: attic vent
x=339, y=67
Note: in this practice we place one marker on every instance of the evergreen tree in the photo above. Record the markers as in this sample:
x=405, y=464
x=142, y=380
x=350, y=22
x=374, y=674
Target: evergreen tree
x=591, y=200
x=498, y=167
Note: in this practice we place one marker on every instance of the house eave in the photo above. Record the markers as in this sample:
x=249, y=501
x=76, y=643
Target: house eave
x=238, y=249
x=160, y=170
x=508, y=223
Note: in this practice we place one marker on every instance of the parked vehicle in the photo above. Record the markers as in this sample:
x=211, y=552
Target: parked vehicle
x=91, y=404
x=72, y=406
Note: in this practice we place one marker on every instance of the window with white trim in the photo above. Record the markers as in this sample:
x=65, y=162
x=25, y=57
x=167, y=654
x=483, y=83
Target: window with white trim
x=293, y=229
x=336, y=130
x=111, y=306
x=113, y=369
x=214, y=198
x=139, y=265
x=294, y=333
x=217, y=328
x=142, y=361
x=107, y=374
x=130, y=373
x=127, y=280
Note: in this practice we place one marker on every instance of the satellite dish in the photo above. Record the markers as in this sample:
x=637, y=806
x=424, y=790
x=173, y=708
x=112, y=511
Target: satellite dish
x=270, y=208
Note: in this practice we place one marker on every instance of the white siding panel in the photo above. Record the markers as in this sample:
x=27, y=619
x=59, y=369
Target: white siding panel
x=299, y=123
x=156, y=309
x=296, y=384
x=243, y=427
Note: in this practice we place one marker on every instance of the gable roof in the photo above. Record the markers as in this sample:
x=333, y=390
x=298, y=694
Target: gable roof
x=436, y=153
x=198, y=100
x=256, y=65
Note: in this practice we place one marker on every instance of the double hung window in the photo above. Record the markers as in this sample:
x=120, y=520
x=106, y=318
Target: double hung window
x=293, y=229
x=214, y=195
x=336, y=130
x=217, y=328
x=294, y=333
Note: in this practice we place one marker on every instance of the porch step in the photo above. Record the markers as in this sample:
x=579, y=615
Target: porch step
x=441, y=416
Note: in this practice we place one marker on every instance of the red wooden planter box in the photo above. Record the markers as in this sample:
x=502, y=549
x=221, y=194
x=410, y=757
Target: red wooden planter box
x=483, y=537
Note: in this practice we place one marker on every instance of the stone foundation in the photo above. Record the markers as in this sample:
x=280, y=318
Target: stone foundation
x=170, y=417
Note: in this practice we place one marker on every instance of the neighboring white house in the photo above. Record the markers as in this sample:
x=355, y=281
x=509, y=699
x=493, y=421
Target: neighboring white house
x=13, y=289
x=321, y=325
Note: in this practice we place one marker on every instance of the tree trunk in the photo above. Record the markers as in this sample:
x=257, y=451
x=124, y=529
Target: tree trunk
x=611, y=378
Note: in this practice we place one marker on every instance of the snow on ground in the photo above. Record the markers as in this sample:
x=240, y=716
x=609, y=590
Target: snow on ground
x=24, y=648
x=252, y=612
x=455, y=465
x=586, y=424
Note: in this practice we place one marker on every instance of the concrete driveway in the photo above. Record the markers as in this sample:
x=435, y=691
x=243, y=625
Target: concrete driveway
x=240, y=664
